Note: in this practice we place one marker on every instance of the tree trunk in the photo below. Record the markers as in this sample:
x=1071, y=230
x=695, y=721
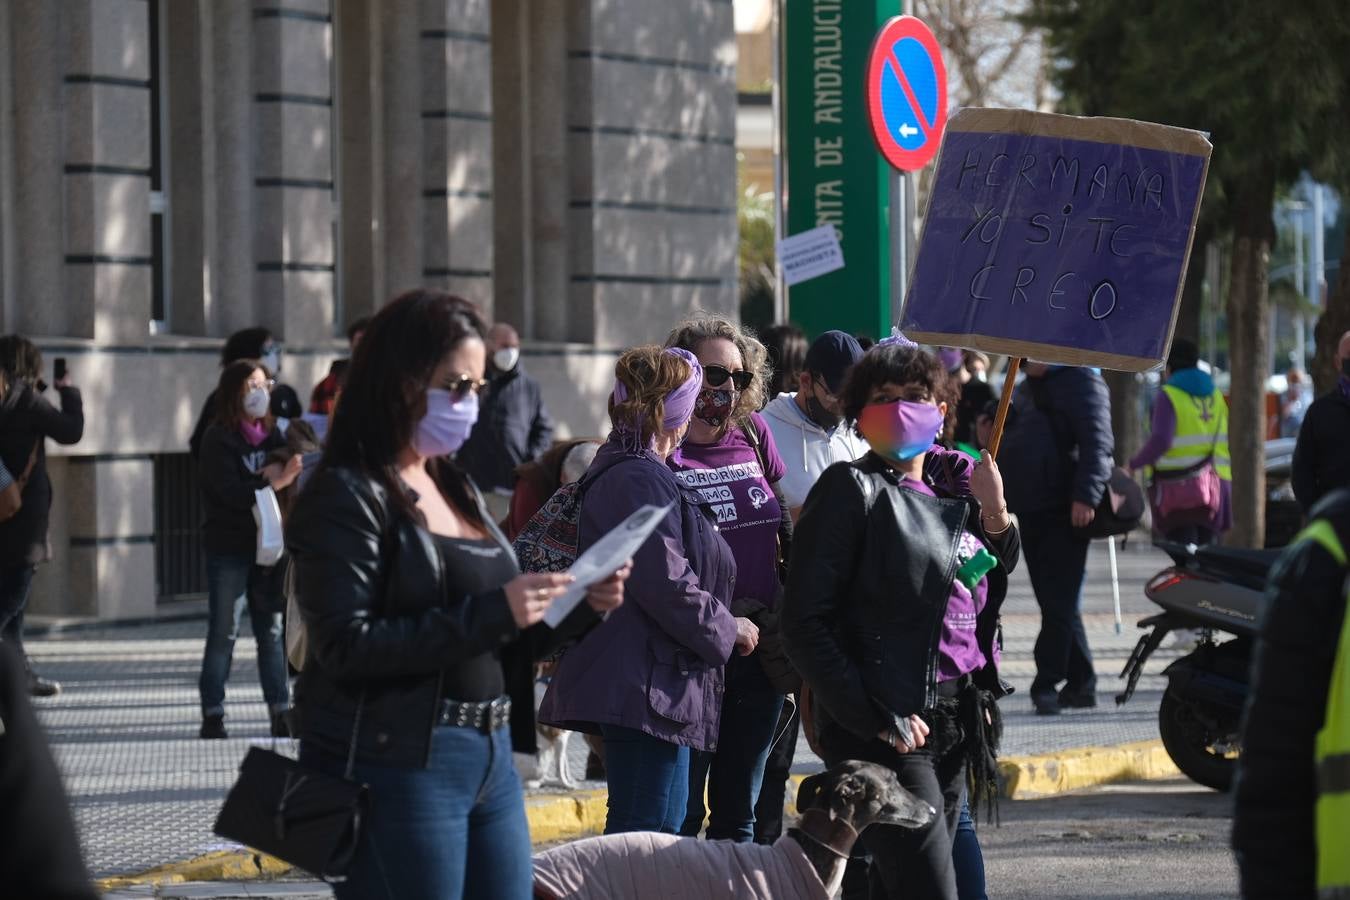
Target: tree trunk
x=1249, y=336
x=1189, y=316
x=1126, y=417
x=1334, y=322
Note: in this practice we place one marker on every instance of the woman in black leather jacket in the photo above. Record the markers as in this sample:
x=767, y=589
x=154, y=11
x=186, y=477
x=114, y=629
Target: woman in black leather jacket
x=891, y=613
x=409, y=595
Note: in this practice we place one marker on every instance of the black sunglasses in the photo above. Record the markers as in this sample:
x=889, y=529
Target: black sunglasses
x=718, y=375
x=463, y=385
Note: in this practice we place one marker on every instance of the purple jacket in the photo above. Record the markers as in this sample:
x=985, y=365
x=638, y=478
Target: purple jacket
x=656, y=664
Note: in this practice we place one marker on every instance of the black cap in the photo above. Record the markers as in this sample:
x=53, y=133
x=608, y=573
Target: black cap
x=831, y=356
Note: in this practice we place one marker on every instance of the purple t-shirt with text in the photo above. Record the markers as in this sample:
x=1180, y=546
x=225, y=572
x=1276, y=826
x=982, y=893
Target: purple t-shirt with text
x=728, y=477
x=958, y=647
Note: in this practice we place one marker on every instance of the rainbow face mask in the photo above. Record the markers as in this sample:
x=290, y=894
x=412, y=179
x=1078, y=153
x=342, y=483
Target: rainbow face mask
x=901, y=429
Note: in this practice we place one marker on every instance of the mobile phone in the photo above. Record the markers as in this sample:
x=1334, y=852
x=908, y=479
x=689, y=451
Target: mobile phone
x=59, y=369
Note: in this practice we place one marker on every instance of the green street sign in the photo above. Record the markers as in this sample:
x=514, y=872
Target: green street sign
x=835, y=176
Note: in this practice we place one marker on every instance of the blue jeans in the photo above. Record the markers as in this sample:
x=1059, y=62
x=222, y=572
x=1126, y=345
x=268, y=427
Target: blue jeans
x=16, y=582
x=967, y=857
x=453, y=830
x=235, y=584
x=735, y=771
x=648, y=781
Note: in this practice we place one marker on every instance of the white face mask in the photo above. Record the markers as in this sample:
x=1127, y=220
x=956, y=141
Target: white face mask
x=272, y=360
x=256, y=402
x=505, y=359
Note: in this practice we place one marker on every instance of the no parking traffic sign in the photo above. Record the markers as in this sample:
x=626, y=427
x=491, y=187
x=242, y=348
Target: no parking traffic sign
x=906, y=93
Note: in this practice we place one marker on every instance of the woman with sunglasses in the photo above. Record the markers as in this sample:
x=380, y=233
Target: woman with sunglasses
x=649, y=679
x=232, y=467
x=409, y=595
x=730, y=459
x=892, y=618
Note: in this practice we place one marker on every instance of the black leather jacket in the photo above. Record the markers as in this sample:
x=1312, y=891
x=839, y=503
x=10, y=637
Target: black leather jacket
x=868, y=589
x=382, y=621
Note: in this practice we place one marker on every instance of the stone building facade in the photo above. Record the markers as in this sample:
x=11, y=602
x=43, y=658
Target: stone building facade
x=174, y=170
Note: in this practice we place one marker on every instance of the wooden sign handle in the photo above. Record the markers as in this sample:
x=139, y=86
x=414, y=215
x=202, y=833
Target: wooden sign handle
x=1001, y=419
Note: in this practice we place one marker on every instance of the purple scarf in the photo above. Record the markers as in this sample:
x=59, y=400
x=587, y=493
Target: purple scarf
x=679, y=402
x=254, y=432
x=1344, y=382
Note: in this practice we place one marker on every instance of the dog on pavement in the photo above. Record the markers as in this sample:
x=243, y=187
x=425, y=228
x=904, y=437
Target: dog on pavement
x=548, y=766
x=805, y=864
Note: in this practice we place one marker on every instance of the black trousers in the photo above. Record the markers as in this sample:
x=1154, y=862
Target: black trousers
x=773, y=789
x=1056, y=558
x=907, y=863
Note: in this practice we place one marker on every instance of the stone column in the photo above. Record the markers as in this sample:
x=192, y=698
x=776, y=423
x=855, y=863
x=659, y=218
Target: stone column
x=184, y=184
x=293, y=178
x=358, y=29
x=653, y=127
x=36, y=70
x=106, y=101
x=457, y=163
x=401, y=225
x=228, y=300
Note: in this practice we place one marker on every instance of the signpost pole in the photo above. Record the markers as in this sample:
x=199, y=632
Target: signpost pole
x=899, y=244
x=1004, y=403
x=780, y=295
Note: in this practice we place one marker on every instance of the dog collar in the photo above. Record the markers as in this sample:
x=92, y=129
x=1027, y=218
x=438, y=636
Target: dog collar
x=835, y=835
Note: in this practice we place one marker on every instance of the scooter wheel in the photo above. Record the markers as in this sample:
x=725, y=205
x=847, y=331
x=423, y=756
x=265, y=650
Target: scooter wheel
x=1191, y=744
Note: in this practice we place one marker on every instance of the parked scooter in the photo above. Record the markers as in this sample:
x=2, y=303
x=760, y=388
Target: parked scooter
x=1216, y=591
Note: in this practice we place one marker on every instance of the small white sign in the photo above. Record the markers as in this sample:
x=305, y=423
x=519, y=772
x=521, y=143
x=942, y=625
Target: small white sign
x=811, y=253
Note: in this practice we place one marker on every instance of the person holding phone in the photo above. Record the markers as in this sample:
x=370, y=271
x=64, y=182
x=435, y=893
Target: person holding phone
x=233, y=467
x=27, y=419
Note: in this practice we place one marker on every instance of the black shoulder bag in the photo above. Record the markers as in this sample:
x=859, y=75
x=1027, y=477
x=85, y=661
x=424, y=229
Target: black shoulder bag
x=310, y=819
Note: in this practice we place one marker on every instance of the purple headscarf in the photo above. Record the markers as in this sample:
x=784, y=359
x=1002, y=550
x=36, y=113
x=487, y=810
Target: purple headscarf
x=679, y=402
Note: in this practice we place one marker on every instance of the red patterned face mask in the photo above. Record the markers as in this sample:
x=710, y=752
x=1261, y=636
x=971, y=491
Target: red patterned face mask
x=714, y=406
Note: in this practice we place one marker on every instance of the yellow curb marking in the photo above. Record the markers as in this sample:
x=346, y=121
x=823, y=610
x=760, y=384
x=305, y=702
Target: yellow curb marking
x=1027, y=777
x=563, y=817
x=221, y=865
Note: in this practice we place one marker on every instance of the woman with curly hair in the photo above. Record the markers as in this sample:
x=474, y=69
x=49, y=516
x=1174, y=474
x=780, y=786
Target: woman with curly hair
x=730, y=459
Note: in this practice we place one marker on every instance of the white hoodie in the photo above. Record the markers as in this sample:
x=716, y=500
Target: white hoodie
x=806, y=448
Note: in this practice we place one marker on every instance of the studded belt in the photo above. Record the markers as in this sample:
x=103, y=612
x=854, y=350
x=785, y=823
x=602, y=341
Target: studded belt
x=486, y=716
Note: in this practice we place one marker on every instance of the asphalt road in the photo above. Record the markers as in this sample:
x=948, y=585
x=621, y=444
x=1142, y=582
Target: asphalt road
x=1155, y=839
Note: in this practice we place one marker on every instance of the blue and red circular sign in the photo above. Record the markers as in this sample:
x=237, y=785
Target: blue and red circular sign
x=906, y=93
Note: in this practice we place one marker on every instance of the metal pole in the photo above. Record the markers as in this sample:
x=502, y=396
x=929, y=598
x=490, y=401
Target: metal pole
x=1115, y=579
x=1317, y=282
x=780, y=297
x=1300, y=347
x=899, y=244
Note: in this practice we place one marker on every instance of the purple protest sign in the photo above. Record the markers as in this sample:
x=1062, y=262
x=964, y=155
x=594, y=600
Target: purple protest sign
x=1058, y=238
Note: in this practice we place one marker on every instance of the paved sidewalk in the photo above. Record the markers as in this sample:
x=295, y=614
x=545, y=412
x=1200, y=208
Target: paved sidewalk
x=146, y=791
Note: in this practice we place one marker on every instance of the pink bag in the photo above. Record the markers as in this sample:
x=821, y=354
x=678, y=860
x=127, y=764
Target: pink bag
x=1191, y=498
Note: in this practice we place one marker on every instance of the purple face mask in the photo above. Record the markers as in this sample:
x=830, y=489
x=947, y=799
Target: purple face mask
x=902, y=429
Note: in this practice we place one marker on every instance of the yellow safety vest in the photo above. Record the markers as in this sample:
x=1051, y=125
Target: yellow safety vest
x=1198, y=434
x=1332, y=749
